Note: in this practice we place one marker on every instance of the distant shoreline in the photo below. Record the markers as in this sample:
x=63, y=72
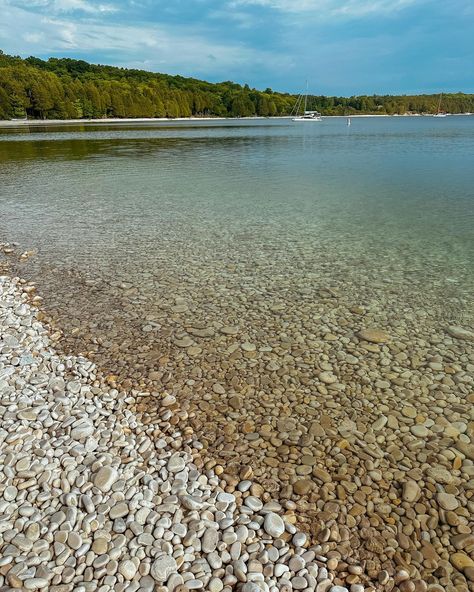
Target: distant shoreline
x=5, y=123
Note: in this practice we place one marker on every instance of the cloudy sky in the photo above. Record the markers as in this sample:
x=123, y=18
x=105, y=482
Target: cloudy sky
x=342, y=47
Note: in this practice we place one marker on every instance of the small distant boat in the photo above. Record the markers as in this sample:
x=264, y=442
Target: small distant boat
x=348, y=121
x=440, y=113
x=302, y=101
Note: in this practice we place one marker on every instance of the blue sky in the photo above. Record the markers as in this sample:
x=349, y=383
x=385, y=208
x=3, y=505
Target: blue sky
x=342, y=47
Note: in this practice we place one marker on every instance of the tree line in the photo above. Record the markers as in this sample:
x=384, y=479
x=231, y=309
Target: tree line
x=64, y=88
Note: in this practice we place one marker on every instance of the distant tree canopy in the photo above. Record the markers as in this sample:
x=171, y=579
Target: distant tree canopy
x=69, y=89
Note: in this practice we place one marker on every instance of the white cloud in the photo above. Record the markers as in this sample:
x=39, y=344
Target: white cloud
x=64, y=6
x=328, y=8
x=32, y=37
x=154, y=47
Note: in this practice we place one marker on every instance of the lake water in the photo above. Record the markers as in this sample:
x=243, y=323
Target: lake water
x=234, y=263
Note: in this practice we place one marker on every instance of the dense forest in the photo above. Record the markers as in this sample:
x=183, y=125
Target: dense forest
x=68, y=89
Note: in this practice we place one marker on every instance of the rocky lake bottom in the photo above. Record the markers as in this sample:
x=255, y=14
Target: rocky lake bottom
x=346, y=394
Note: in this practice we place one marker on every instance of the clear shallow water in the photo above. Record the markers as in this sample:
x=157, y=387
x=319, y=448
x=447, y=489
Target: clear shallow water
x=387, y=190
x=151, y=239
x=383, y=181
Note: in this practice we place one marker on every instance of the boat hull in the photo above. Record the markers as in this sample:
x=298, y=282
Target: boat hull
x=307, y=120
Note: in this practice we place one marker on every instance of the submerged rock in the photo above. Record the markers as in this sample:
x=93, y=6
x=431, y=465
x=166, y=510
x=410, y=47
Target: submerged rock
x=374, y=335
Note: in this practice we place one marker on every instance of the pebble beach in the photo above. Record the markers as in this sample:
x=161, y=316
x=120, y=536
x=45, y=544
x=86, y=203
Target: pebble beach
x=109, y=489
x=92, y=498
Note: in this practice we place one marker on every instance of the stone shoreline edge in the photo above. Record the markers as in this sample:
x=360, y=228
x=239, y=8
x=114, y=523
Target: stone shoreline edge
x=92, y=498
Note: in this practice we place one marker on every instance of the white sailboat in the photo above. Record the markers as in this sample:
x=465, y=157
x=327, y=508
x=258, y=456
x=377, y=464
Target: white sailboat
x=440, y=113
x=302, y=101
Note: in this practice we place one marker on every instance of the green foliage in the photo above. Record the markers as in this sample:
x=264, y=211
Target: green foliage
x=64, y=88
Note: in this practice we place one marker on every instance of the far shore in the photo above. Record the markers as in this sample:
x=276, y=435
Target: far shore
x=28, y=122
x=37, y=122
x=4, y=123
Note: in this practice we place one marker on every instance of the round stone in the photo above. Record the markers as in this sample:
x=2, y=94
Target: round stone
x=303, y=486
x=248, y=347
x=74, y=540
x=327, y=378
x=299, y=539
x=128, y=569
x=35, y=583
x=440, y=474
x=254, y=503
x=411, y=491
x=105, y=478
x=82, y=430
x=299, y=583
x=119, y=510
x=374, y=335
x=10, y=493
x=210, y=540
x=447, y=501
x=215, y=585
x=176, y=464
x=274, y=525
x=460, y=333
x=163, y=567
x=420, y=431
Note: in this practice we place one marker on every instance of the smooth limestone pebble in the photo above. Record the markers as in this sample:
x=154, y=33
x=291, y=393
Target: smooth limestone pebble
x=411, y=491
x=374, y=335
x=420, y=431
x=35, y=583
x=74, y=540
x=440, y=475
x=299, y=539
x=460, y=333
x=274, y=525
x=163, y=567
x=251, y=587
x=128, y=569
x=303, y=486
x=10, y=493
x=248, y=347
x=447, y=501
x=299, y=583
x=176, y=464
x=280, y=569
x=119, y=510
x=215, y=585
x=254, y=503
x=210, y=540
x=105, y=478
x=82, y=430
x=327, y=377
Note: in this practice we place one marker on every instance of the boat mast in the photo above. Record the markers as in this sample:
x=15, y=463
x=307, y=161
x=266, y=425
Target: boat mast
x=305, y=99
x=439, y=102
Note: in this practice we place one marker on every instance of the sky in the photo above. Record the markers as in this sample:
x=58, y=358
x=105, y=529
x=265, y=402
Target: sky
x=342, y=47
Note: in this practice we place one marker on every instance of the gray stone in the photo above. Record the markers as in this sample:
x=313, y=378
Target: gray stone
x=119, y=510
x=274, y=525
x=128, y=569
x=163, y=567
x=254, y=503
x=105, y=478
x=210, y=540
x=460, y=333
x=447, y=501
x=82, y=430
x=176, y=464
x=411, y=491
